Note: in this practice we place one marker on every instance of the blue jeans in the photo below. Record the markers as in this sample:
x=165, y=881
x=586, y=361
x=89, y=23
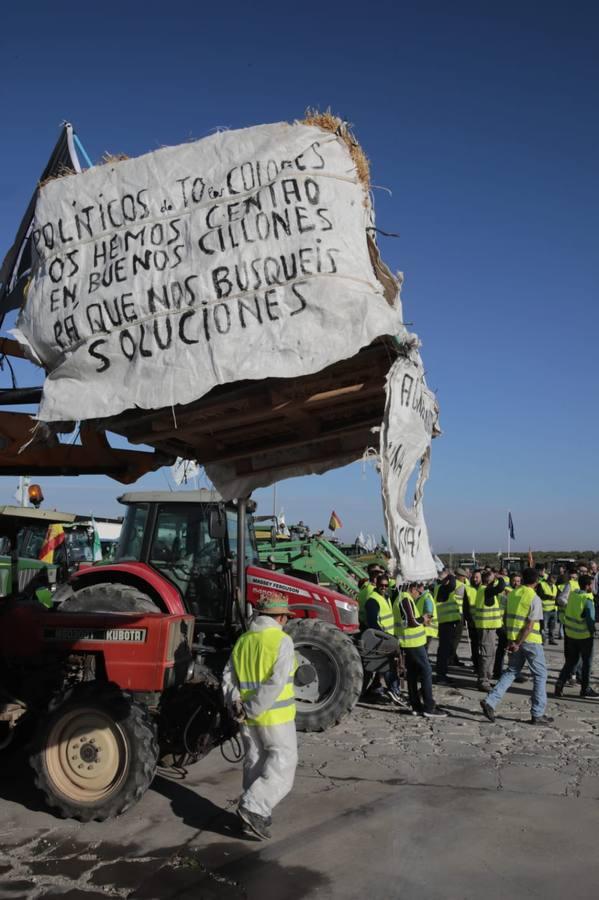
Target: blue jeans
x=533, y=655
x=549, y=623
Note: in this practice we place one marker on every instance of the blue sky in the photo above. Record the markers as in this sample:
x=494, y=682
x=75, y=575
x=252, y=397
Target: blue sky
x=480, y=118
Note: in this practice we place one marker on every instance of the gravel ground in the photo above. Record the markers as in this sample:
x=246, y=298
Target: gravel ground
x=385, y=805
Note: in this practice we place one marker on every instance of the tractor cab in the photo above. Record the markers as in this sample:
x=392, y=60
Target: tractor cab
x=191, y=538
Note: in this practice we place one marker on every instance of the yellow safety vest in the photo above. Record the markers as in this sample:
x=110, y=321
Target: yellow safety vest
x=450, y=610
x=363, y=595
x=516, y=615
x=431, y=630
x=385, y=614
x=470, y=594
x=487, y=617
x=254, y=658
x=407, y=636
x=574, y=623
x=549, y=604
x=574, y=586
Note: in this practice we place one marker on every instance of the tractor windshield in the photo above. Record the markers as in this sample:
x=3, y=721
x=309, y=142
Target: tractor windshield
x=251, y=550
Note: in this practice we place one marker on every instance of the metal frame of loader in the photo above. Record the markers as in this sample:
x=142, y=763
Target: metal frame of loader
x=315, y=559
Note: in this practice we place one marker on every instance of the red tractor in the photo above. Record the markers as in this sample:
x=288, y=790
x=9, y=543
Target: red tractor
x=123, y=672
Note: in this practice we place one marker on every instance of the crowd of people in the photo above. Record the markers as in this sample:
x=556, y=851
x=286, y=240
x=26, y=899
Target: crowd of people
x=501, y=613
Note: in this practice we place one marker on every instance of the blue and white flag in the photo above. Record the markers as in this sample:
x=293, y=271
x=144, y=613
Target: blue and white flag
x=510, y=526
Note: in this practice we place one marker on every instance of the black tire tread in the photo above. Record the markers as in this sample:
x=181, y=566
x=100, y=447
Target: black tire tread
x=109, y=597
x=350, y=665
x=143, y=744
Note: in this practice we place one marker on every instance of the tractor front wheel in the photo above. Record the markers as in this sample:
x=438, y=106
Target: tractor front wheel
x=95, y=755
x=329, y=677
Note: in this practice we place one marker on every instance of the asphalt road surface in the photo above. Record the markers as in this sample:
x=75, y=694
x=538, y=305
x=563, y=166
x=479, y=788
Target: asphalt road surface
x=384, y=806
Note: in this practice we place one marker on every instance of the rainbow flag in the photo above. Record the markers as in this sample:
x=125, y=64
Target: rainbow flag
x=335, y=522
x=54, y=538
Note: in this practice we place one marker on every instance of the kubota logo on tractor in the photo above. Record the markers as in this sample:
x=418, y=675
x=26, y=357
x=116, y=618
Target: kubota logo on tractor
x=113, y=635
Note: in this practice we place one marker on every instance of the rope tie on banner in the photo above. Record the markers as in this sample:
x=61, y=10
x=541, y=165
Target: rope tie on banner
x=369, y=457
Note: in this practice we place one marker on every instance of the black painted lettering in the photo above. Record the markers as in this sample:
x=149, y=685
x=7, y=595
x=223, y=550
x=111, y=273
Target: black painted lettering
x=245, y=306
x=407, y=385
x=55, y=269
x=312, y=191
x=95, y=318
x=302, y=300
x=328, y=225
x=163, y=342
x=128, y=208
x=155, y=302
x=127, y=343
x=93, y=351
x=64, y=238
x=302, y=218
x=222, y=318
x=221, y=282
x=144, y=263
x=58, y=335
x=271, y=305
x=272, y=271
x=290, y=190
x=142, y=202
x=280, y=222
x=183, y=335
x=116, y=223
x=70, y=329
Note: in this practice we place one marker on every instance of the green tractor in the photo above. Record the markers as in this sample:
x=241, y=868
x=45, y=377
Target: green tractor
x=23, y=531
x=308, y=556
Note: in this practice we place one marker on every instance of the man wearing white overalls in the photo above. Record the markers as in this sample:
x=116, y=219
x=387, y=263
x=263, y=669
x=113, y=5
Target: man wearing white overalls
x=258, y=687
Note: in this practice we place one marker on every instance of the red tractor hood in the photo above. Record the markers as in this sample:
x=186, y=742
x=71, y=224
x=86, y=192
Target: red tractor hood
x=306, y=599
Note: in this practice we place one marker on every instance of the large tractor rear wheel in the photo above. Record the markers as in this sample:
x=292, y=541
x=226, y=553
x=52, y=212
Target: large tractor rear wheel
x=95, y=755
x=328, y=681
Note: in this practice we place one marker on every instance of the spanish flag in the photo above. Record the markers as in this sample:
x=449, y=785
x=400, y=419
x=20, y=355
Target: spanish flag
x=335, y=522
x=54, y=538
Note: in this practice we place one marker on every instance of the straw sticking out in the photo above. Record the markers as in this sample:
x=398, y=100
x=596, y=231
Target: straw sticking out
x=329, y=122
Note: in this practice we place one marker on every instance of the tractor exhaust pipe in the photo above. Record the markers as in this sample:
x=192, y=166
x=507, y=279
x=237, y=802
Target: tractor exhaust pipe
x=241, y=567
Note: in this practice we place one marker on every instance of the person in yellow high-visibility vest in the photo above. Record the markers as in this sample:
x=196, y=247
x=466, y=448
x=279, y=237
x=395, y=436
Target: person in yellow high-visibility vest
x=410, y=629
x=449, y=602
x=523, y=615
x=427, y=611
x=366, y=589
x=258, y=689
x=380, y=619
x=579, y=625
x=488, y=618
x=547, y=591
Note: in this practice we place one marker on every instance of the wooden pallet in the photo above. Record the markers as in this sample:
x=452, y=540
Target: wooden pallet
x=317, y=419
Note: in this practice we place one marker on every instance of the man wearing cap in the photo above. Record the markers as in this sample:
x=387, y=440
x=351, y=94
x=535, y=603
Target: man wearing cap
x=258, y=689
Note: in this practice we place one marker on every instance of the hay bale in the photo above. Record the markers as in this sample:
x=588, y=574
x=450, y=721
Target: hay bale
x=108, y=158
x=62, y=172
x=329, y=122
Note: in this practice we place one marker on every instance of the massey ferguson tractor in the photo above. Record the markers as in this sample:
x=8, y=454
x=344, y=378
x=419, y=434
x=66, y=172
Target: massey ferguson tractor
x=122, y=673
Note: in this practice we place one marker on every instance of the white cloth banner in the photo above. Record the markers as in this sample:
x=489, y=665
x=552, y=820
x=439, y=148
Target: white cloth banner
x=240, y=256
x=411, y=419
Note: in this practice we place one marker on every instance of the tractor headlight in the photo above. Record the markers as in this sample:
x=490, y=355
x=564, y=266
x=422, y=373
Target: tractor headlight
x=348, y=612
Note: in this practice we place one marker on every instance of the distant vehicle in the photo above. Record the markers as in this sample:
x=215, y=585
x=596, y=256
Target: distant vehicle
x=468, y=563
x=512, y=563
